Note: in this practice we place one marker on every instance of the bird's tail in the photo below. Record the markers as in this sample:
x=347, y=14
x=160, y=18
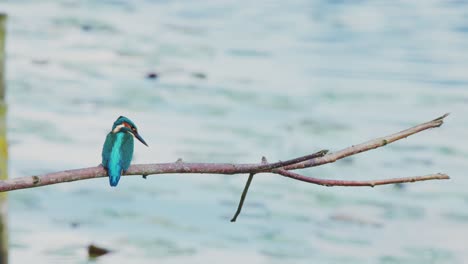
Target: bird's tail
x=114, y=177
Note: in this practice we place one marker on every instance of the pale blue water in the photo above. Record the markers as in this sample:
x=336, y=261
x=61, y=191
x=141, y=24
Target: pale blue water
x=238, y=80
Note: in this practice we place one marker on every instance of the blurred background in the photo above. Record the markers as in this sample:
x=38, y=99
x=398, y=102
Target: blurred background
x=231, y=81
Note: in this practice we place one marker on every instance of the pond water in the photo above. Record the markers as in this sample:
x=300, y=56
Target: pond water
x=237, y=80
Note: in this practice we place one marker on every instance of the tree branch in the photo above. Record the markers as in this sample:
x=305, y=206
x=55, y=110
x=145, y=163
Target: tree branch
x=281, y=168
x=242, y=199
x=372, y=183
x=369, y=145
x=244, y=192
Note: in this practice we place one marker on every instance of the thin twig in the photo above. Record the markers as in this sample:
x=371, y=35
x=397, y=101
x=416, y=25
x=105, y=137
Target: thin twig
x=372, y=183
x=269, y=166
x=244, y=194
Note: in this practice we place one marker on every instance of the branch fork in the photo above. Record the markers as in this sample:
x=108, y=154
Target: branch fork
x=282, y=168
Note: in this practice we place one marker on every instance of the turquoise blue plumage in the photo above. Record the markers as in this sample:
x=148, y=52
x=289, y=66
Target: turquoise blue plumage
x=117, y=151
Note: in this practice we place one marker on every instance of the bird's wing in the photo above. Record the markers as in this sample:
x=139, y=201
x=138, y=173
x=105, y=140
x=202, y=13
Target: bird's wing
x=107, y=148
x=126, y=151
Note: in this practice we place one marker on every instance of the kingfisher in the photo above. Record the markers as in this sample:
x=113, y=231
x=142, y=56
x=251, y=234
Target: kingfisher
x=117, y=151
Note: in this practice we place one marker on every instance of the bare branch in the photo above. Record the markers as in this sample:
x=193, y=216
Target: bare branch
x=242, y=199
x=267, y=167
x=282, y=168
x=147, y=169
x=371, y=144
x=330, y=183
x=244, y=192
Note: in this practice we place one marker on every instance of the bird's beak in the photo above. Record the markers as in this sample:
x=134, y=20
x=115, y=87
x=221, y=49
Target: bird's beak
x=140, y=138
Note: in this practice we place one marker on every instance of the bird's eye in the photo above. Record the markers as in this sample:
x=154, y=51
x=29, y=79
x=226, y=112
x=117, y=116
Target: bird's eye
x=134, y=129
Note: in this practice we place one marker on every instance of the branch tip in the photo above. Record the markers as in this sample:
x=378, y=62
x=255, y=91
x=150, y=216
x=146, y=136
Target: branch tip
x=244, y=194
x=440, y=120
x=373, y=183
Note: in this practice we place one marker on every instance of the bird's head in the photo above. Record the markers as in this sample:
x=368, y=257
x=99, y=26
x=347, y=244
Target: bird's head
x=125, y=125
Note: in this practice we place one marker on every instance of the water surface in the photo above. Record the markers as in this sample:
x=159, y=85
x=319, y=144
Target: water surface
x=237, y=81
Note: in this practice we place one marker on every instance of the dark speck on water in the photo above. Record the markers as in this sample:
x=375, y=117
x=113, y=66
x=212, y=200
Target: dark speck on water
x=152, y=75
x=95, y=251
x=40, y=61
x=199, y=75
x=86, y=27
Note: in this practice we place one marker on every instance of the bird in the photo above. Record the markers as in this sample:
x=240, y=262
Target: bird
x=117, y=151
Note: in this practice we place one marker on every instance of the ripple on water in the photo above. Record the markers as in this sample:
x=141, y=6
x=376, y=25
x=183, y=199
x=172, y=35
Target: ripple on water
x=421, y=255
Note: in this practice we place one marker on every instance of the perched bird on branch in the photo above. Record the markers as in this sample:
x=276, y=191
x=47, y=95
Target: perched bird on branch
x=117, y=151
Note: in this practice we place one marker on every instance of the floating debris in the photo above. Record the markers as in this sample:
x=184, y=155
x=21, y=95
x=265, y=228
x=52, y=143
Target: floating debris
x=199, y=75
x=74, y=224
x=95, y=251
x=86, y=27
x=152, y=75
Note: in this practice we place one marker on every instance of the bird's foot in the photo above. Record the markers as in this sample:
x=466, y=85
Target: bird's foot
x=104, y=168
